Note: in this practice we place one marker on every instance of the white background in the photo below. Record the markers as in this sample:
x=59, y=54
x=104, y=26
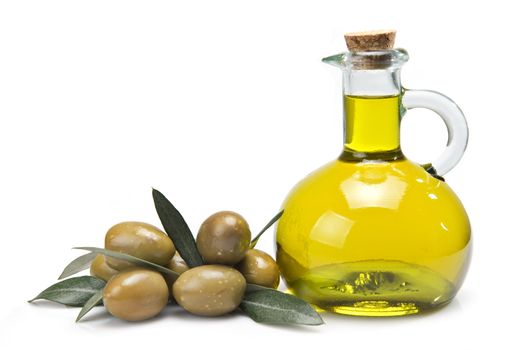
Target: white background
x=226, y=105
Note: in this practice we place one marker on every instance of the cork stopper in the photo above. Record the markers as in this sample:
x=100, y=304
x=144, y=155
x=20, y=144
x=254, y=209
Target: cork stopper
x=371, y=40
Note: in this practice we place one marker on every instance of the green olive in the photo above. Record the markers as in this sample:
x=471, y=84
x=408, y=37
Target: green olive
x=223, y=238
x=136, y=294
x=209, y=290
x=100, y=269
x=260, y=268
x=178, y=265
x=141, y=240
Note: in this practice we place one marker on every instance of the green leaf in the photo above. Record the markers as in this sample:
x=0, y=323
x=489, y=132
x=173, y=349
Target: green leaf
x=79, y=264
x=177, y=229
x=274, y=307
x=268, y=225
x=74, y=291
x=91, y=303
x=130, y=258
x=251, y=287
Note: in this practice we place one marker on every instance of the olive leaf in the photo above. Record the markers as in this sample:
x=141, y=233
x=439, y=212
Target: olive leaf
x=79, y=264
x=251, y=287
x=91, y=303
x=274, y=307
x=130, y=258
x=268, y=225
x=177, y=229
x=75, y=291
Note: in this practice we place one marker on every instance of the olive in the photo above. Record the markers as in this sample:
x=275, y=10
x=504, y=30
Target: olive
x=100, y=269
x=209, y=290
x=260, y=268
x=136, y=294
x=178, y=265
x=223, y=238
x=141, y=240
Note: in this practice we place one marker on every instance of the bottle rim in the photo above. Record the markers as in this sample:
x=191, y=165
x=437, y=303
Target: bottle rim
x=369, y=60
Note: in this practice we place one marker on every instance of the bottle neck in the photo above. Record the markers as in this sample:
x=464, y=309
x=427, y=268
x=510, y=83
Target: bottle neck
x=372, y=100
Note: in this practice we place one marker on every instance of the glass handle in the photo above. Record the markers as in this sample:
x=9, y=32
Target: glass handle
x=452, y=117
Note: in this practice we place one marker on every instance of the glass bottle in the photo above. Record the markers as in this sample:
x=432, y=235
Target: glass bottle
x=373, y=233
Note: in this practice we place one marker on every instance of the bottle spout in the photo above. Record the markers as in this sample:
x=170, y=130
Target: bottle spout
x=339, y=60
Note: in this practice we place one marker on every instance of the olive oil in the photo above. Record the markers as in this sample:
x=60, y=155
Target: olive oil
x=375, y=287
x=378, y=123
x=373, y=233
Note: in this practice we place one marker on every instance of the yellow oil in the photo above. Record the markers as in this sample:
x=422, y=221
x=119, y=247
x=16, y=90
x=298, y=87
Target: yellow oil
x=372, y=124
x=373, y=237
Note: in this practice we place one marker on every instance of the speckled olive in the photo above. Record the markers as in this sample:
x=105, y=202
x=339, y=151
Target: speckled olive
x=100, y=269
x=136, y=294
x=141, y=240
x=178, y=265
x=209, y=290
x=259, y=268
x=223, y=238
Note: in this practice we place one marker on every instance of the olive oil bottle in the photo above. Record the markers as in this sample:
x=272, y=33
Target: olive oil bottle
x=372, y=233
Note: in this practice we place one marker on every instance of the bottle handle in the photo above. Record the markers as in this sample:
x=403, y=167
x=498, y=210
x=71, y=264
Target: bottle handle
x=452, y=117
